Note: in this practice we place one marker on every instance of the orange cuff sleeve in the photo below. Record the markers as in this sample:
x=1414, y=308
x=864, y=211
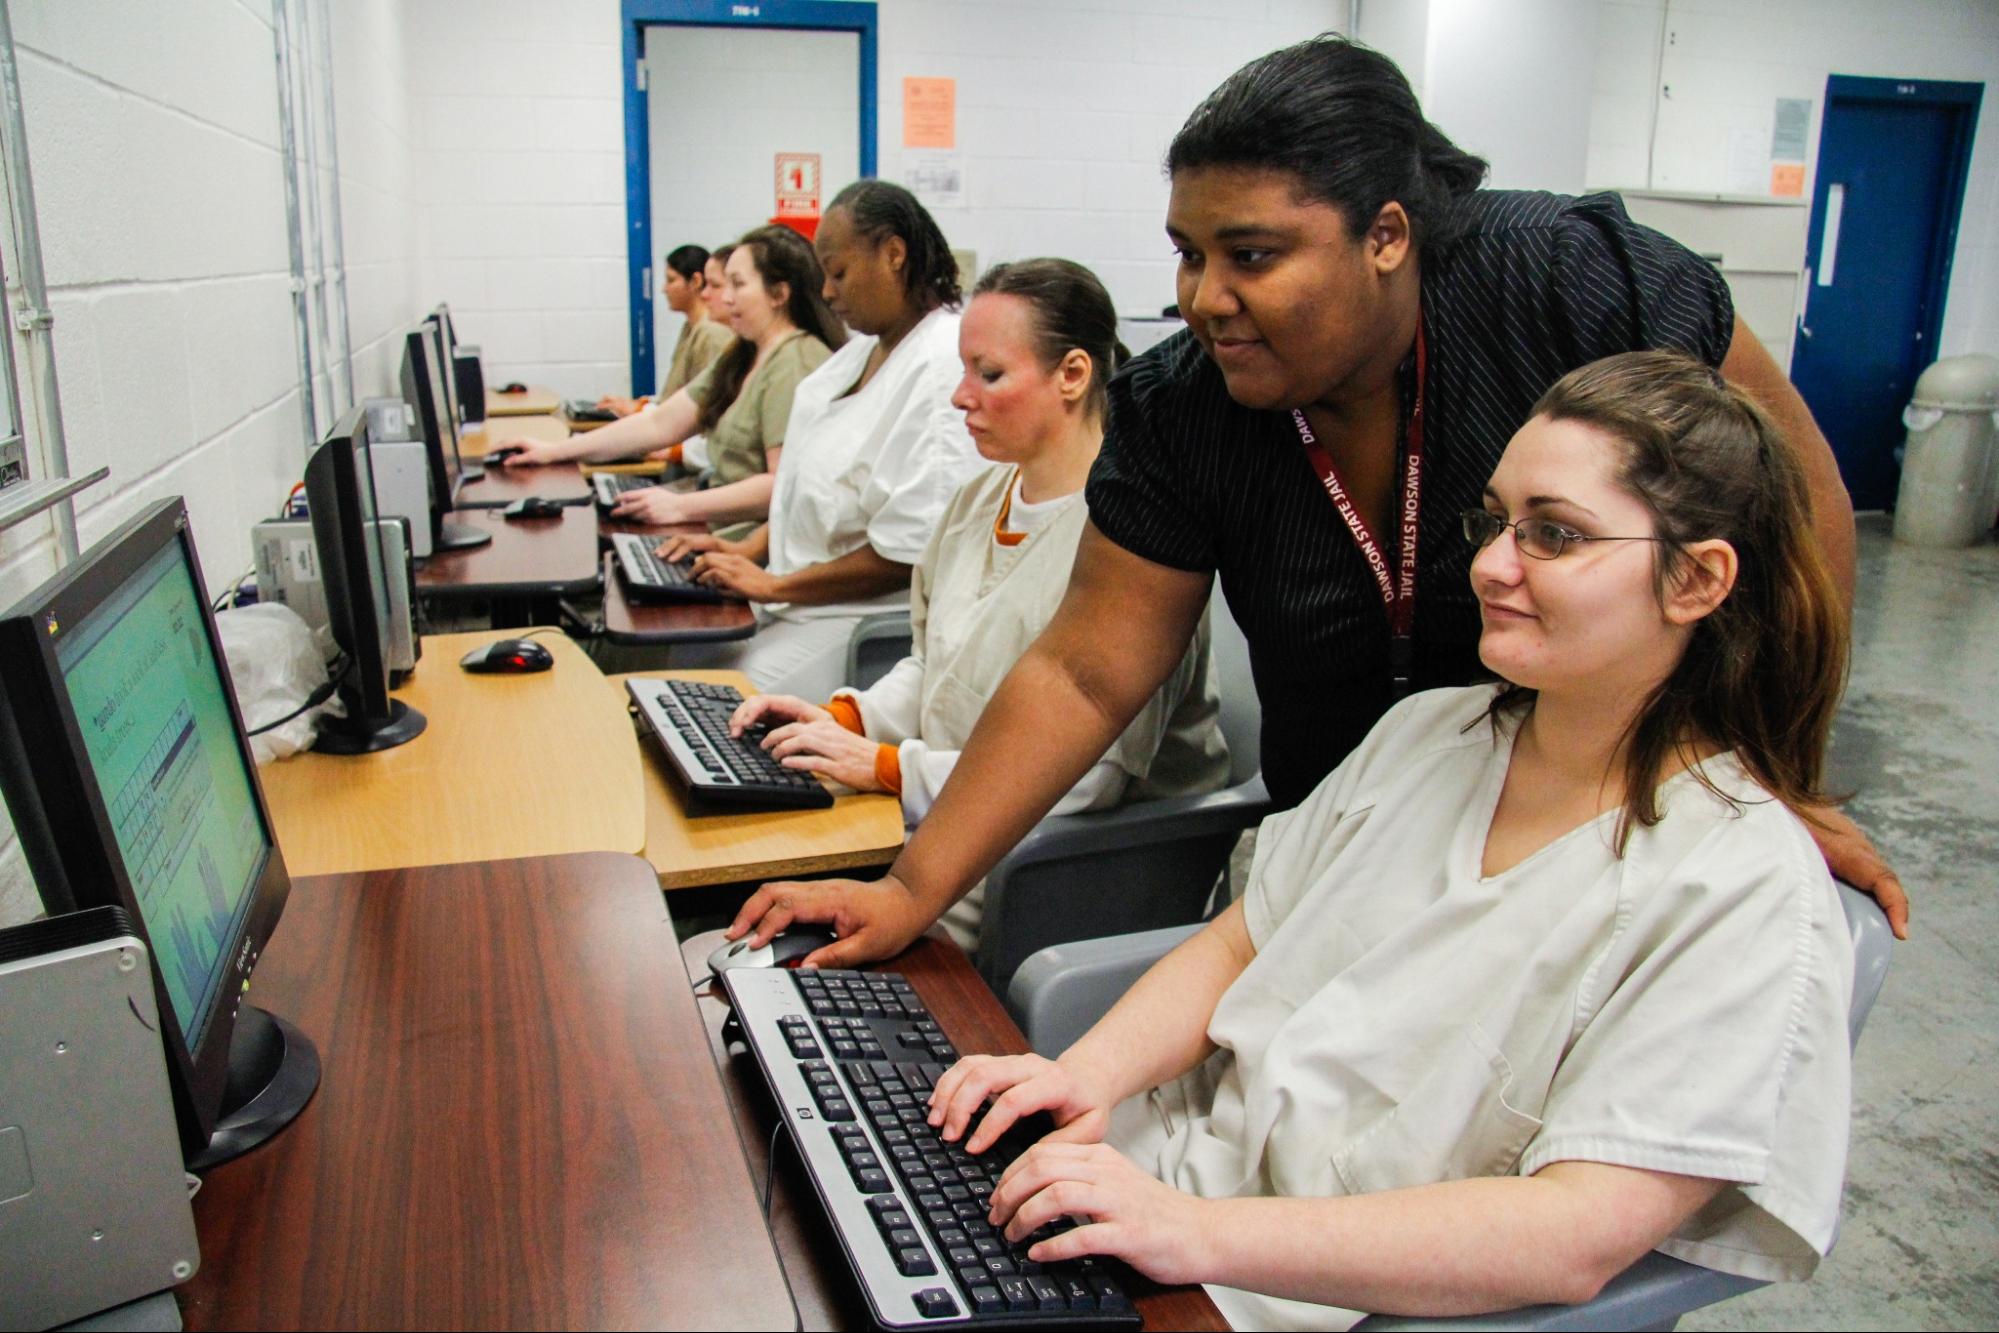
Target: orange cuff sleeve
x=888, y=768
x=673, y=453
x=848, y=714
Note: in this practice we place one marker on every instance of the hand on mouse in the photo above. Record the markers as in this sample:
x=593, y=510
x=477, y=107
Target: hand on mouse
x=874, y=919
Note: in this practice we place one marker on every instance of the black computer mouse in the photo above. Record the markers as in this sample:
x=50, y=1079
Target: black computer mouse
x=513, y=386
x=533, y=506
x=787, y=948
x=502, y=454
x=512, y=657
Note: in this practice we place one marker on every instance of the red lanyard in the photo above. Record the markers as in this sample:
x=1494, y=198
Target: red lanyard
x=1398, y=591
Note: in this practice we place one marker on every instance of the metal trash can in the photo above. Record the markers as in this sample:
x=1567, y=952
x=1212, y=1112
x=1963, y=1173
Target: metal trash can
x=1950, y=467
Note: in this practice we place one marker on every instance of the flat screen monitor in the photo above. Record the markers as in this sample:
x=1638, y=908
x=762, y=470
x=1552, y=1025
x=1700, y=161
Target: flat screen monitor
x=424, y=378
x=340, y=494
x=131, y=781
x=438, y=325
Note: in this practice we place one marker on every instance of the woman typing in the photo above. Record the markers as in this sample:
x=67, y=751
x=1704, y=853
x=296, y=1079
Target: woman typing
x=741, y=404
x=703, y=336
x=1037, y=340
x=874, y=453
x=1543, y=975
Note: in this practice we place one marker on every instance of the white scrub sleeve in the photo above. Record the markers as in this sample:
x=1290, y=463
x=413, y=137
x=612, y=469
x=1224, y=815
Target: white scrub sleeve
x=892, y=707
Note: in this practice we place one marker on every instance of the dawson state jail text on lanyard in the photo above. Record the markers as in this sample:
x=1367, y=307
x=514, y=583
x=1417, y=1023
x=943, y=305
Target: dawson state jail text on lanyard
x=1398, y=591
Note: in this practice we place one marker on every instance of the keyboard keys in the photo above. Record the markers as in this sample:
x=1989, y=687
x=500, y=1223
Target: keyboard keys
x=935, y=1303
x=914, y=1261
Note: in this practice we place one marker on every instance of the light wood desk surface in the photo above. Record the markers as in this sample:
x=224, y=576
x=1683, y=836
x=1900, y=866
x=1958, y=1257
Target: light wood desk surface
x=509, y=766
x=474, y=441
x=537, y=401
x=729, y=849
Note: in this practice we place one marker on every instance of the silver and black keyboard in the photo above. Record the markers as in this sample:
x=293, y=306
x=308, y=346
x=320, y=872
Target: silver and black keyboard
x=610, y=485
x=651, y=579
x=691, y=721
x=850, y=1058
x=586, y=409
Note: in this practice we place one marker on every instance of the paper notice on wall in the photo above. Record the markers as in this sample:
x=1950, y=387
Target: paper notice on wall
x=1787, y=179
x=797, y=192
x=929, y=113
x=1787, y=146
x=937, y=179
x=1748, y=162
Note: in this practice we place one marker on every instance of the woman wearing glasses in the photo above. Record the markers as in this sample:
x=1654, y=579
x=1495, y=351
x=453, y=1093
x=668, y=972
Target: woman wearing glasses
x=1366, y=327
x=1544, y=975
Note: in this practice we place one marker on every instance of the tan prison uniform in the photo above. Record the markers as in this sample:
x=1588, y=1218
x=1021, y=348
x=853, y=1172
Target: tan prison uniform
x=698, y=347
x=756, y=421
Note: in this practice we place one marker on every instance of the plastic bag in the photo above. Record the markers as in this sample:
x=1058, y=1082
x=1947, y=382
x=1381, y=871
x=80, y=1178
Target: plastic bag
x=276, y=665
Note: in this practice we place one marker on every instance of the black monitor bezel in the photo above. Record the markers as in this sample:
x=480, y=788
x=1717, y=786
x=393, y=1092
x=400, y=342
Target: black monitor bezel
x=440, y=440
x=347, y=544
x=438, y=322
x=49, y=756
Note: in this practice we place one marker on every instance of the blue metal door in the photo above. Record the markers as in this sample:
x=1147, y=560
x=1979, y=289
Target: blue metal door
x=1892, y=160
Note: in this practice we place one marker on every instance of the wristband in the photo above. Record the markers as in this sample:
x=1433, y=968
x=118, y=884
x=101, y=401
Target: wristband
x=888, y=768
x=847, y=713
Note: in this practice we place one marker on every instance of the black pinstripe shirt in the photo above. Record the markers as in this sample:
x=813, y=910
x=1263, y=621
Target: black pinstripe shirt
x=1539, y=285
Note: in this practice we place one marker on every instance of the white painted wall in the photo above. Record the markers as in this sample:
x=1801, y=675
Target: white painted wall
x=1512, y=83
x=1065, y=111
x=520, y=205
x=154, y=139
x=1725, y=66
x=713, y=158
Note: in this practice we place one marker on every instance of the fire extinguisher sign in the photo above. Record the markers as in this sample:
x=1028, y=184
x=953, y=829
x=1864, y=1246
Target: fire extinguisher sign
x=797, y=185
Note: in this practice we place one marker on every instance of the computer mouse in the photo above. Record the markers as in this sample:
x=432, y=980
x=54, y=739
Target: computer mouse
x=533, y=506
x=512, y=657
x=513, y=386
x=503, y=453
x=787, y=948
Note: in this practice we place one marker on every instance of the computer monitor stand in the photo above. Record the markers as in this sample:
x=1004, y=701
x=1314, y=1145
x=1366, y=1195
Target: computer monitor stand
x=458, y=537
x=469, y=472
x=358, y=733
x=273, y=1072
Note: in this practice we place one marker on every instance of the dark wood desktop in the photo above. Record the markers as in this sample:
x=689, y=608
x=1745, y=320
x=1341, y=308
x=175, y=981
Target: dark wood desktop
x=519, y=1123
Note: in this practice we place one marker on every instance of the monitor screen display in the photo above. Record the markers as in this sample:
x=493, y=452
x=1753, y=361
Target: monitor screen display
x=151, y=702
x=440, y=361
x=437, y=377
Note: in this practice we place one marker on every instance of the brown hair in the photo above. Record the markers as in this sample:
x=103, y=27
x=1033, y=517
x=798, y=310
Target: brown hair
x=1071, y=310
x=1763, y=672
x=781, y=255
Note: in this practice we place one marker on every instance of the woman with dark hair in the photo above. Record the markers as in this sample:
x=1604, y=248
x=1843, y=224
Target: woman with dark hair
x=1366, y=328
x=874, y=454
x=741, y=404
x=1545, y=975
x=684, y=282
x=1037, y=343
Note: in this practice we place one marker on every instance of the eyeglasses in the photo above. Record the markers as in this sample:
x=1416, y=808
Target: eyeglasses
x=1541, y=538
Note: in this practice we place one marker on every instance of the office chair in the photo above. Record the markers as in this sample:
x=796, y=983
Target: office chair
x=1063, y=882
x=877, y=644
x=1060, y=992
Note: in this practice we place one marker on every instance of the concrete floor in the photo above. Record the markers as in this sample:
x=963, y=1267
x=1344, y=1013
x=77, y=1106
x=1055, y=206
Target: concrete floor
x=1918, y=746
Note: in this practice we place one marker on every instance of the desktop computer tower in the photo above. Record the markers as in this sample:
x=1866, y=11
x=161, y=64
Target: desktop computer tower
x=288, y=572
x=470, y=380
x=402, y=488
x=389, y=419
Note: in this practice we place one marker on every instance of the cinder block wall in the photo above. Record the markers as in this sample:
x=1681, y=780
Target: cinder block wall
x=153, y=136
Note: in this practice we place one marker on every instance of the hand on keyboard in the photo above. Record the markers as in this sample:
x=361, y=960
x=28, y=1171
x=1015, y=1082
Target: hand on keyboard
x=651, y=504
x=683, y=545
x=829, y=750
x=1124, y=1212
x=874, y=918
x=774, y=710
x=739, y=575
x=1018, y=1086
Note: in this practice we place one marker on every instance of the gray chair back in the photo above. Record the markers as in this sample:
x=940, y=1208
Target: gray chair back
x=1242, y=713
x=876, y=645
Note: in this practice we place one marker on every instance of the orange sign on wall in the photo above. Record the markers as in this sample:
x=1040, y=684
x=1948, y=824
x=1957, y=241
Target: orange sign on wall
x=1787, y=178
x=929, y=113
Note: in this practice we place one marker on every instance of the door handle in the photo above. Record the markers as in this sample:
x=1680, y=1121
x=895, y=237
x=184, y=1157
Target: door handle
x=1804, y=332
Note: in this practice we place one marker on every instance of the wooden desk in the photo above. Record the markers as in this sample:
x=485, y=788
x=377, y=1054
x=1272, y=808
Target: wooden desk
x=731, y=849
x=504, y=485
x=629, y=622
x=535, y=557
x=533, y=765
x=974, y=1019
x=536, y=402
x=518, y=1123
x=474, y=441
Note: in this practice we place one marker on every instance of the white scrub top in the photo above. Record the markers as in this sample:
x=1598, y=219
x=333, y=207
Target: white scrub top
x=871, y=468
x=975, y=605
x=1407, y=1020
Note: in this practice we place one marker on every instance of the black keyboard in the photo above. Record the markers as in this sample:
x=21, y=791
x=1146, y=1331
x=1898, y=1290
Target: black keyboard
x=650, y=579
x=608, y=486
x=586, y=409
x=691, y=720
x=851, y=1058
